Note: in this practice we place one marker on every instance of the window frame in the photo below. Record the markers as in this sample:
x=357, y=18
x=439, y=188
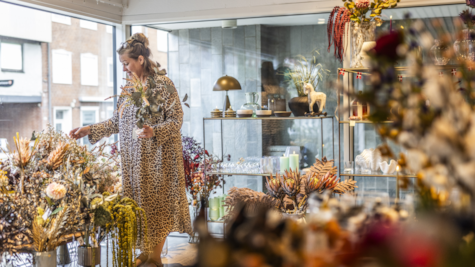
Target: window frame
x=22, y=56
x=58, y=20
x=53, y=68
x=96, y=81
x=70, y=117
x=88, y=108
x=84, y=24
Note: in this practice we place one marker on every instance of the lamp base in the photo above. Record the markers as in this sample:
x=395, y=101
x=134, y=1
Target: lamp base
x=227, y=104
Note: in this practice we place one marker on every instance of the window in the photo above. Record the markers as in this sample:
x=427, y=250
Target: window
x=136, y=29
x=61, y=19
x=108, y=29
x=11, y=58
x=110, y=72
x=162, y=41
x=88, y=25
x=89, y=69
x=89, y=115
x=62, y=67
x=62, y=119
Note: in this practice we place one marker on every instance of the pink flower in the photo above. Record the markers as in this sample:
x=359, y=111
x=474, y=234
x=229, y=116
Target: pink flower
x=362, y=3
x=56, y=191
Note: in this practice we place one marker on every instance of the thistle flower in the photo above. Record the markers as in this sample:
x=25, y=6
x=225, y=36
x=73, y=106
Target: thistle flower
x=362, y=4
x=56, y=191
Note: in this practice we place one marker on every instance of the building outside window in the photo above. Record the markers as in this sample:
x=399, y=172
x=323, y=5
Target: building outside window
x=162, y=41
x=89, y=69
x=110, y=72
x=61, y=19
x=11, y=58
x=89, y=115
x=62, y=67
x=63, y=119
x=88, y=25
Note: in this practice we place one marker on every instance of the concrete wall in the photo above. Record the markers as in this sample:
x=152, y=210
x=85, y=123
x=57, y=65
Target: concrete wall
x=197, y=58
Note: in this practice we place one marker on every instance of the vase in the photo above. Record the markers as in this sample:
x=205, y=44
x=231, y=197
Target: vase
x=465, y=46
x=298, y=217
x=299, y=106
x=437, y=53
x=193, y=238
x=89, y=256
x=63, y=255
x=45, y=259
x=362, y=36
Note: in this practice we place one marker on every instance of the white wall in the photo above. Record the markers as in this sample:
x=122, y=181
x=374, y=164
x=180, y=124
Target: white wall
x=17, y=21
x=27, y=83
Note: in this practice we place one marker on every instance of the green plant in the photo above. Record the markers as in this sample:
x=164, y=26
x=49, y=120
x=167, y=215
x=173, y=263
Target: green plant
x=307, y=71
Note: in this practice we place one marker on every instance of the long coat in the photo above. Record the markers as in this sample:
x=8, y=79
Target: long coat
x=152, y=168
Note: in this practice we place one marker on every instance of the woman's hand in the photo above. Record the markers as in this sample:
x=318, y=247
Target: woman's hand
x=147, y=132
x=80, y=132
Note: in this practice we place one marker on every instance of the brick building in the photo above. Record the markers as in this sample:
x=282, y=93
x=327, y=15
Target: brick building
x=65, y=60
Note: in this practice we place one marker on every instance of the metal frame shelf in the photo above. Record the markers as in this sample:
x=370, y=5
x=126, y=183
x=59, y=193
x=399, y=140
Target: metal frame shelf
x=270, y=118
x=377, y=175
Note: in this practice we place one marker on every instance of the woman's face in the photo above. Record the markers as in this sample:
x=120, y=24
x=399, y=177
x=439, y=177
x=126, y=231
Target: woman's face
x=130, y=65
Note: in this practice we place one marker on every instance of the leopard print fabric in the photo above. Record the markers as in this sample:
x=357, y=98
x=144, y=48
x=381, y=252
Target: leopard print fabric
x=152, y=168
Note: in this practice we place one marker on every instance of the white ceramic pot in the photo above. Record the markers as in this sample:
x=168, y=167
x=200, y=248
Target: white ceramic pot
x=365, y=60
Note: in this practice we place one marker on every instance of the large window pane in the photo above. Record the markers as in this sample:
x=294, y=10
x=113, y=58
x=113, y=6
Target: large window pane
x=79, y=55
x=11, y=57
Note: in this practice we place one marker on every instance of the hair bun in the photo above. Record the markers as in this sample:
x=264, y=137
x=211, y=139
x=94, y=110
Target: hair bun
x=140, y=37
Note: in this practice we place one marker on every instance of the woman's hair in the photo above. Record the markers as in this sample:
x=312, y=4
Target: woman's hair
x=135, y=46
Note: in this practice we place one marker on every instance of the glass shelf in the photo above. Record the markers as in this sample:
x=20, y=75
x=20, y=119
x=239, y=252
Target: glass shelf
x=402, y=68
x=364, y=121
x=378, y=174
x=210, y=221
x=271, y=118
x=238, y=174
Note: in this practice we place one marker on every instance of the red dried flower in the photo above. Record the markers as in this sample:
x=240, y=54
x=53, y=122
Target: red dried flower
x=386, y=45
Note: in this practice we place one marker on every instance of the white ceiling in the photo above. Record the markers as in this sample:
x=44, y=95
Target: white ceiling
x=321, y=18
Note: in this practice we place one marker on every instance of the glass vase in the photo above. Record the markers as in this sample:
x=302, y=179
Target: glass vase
x=437, y=53
x=465, y=46
x=362, y=40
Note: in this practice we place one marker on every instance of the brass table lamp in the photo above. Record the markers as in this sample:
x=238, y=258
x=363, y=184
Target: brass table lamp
x=226, y=83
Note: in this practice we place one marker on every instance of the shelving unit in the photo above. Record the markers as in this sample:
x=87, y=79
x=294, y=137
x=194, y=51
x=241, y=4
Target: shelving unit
x=343, y=107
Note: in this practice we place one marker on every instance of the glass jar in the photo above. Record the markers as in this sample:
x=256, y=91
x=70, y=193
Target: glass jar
x=437, y=53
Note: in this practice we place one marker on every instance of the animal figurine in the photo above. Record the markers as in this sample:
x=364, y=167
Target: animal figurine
x=315, y=97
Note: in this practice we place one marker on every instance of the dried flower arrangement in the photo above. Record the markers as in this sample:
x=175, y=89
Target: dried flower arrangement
x=289, y=193
x=336, y=30
x=359, y=8
x=307, y=71
x=57, y=189
x=148, y=101
x=468, y=18
x=195, y=158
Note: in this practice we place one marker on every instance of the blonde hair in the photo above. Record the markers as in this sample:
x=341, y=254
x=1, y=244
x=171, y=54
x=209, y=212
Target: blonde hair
x=135, y=46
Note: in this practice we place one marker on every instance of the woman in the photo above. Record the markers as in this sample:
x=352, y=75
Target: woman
x=152, y=165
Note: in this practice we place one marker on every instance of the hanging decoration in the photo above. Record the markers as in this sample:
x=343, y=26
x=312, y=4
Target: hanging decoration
x=400, y=78
x=336, y=30
x=359, y=75
x=342, y=72
x=454, y=72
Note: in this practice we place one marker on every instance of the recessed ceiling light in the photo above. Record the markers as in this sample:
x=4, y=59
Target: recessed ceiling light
x=321, y=21
x=229, y=24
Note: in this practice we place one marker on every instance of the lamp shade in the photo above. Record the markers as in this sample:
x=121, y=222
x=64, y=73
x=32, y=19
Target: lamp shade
x=226, y=83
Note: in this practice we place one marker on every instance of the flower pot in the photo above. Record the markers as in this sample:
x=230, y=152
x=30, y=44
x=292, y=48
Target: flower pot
x=86, y=256
x=45, y=259
x=299, y=106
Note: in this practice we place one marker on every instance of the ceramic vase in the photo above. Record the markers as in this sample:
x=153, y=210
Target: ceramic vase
x=361, y=33
x=45, y=259
x=89, y=256
x=299, y=106
x=388, y=168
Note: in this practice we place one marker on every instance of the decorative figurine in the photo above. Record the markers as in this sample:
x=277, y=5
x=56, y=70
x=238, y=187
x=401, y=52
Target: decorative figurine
x=315, y=97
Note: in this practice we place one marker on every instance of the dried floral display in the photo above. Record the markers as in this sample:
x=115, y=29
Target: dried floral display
x=337, y=233
x=195, y=158
x=57, y=189
x=289, y=193
x=307, y=71
x=468, y=18
x=336, y=30
x=359, y=8
x=148, y=102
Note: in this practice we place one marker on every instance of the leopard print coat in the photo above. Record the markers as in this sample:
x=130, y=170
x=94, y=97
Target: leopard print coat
x=152, y=168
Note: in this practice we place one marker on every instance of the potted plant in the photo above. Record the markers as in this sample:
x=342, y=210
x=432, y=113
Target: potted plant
x=305, y=71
